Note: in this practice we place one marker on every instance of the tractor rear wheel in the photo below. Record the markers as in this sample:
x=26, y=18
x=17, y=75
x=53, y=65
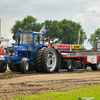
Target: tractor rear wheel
x=49, y=60
x=3, y=67
x=24, y=66
x=14, y=67
x=38, y=59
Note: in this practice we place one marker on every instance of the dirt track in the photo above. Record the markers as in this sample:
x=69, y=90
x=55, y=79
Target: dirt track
x=13, y=84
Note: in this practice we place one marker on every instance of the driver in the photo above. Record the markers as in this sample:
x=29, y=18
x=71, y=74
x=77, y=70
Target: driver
x=29, y=40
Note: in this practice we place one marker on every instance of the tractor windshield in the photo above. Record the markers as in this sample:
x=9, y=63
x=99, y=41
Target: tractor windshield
x=25, y=38
x=35, y=39
x=38, y=37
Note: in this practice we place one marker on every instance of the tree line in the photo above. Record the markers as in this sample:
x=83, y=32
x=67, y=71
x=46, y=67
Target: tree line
x=64, y=31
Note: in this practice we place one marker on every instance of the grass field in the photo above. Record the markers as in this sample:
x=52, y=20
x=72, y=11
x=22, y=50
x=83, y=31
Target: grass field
x=65, y=95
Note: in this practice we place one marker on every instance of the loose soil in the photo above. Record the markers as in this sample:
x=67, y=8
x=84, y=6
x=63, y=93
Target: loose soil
x=15, y=83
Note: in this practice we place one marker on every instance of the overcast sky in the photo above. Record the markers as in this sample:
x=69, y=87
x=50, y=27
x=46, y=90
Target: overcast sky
x=87, y=12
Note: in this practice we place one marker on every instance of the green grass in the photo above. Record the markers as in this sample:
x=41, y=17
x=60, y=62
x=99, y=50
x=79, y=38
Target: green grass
x=68, y=95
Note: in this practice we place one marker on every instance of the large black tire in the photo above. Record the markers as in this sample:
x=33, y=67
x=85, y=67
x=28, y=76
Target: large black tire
x=49, y=60
x=3, y=67
x=14, y=67
x=64, y=63
x=38, y=59
x=83, y=65
x=70, y=65
x=95, y=67
x=86, y=66
x=24, y=66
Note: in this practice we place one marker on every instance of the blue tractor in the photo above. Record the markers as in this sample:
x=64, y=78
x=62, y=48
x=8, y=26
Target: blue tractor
x=29, y=52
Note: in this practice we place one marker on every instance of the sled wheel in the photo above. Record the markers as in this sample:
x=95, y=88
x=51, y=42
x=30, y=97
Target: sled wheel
x=86, y=66
x=70, y=65
x=96, y=66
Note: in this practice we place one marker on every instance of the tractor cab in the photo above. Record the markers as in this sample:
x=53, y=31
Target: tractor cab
x=30, y=38
x=29, y=41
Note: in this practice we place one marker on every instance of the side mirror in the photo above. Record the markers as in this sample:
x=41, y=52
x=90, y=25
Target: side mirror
x=19, y=39
x=13, y=36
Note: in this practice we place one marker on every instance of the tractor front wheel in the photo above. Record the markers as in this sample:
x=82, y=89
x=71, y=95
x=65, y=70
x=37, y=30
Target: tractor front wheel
x=3, y=67
x=24, y=66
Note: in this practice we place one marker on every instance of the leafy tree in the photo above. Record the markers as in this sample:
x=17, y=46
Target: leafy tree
x=70, y=32
x=27, y=24
x=2, y=38
x=83, y=48
x=66, y=31
x=52, y=29
x=94, y=38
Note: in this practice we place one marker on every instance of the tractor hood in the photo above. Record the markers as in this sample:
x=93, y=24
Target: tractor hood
x=15, y=53
x=13, y=50
x=17, y=48
x=20, y=48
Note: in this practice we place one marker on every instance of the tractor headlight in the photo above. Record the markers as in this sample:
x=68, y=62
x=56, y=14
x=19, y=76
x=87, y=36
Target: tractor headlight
x=13, y=54
x=9, y=54
x=11, y=51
